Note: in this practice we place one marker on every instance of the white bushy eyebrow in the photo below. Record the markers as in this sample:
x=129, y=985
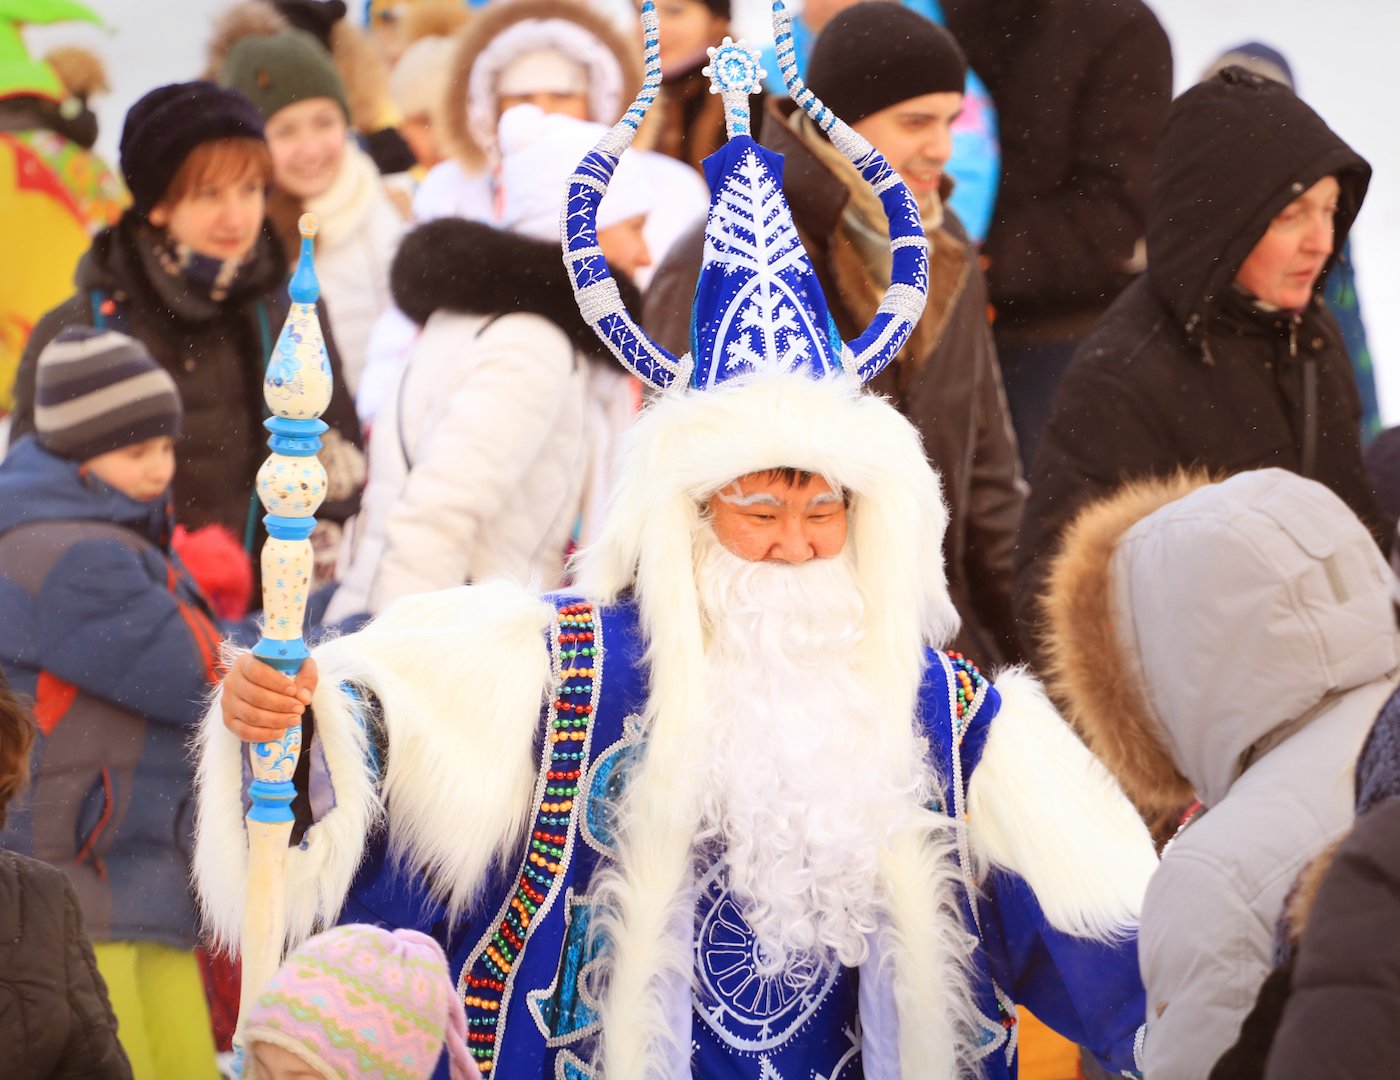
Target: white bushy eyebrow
x=824, y=498
x=758, y=498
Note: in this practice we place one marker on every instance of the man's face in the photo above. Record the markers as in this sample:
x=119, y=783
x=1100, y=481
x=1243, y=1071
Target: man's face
x=1285, y=264
x=916, y=138
x=762, y=517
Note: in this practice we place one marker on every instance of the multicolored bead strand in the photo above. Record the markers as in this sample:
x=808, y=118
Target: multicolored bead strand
x=483, y=985
x=970, y=683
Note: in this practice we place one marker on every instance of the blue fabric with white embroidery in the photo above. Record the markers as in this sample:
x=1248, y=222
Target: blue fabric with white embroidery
x=757, y=303
x=743, y=1028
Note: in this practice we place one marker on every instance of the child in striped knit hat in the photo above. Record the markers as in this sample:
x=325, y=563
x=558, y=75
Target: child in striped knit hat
x=104, y=630
x=359, y=1001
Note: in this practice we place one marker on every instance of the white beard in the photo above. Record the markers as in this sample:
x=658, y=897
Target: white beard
x=801, y=785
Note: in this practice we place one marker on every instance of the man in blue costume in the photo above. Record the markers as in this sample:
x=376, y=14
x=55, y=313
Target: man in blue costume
x=725, y=811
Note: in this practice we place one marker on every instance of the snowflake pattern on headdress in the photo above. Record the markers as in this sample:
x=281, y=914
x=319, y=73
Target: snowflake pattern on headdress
x=758, y=304
x=763, y=308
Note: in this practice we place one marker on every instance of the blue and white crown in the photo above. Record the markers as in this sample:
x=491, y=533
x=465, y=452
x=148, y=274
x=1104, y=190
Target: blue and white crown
x=758, y=305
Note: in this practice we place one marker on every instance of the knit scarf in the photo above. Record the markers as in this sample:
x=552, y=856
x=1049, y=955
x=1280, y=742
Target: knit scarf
x=205, y=276
x=861, y=261
x=342, y=208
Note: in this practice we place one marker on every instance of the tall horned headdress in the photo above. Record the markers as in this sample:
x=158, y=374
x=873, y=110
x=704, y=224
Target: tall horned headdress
x=758, y=306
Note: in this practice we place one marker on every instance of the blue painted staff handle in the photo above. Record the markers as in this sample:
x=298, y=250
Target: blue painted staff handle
x=292, y=486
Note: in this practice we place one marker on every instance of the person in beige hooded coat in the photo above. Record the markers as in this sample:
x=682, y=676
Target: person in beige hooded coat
x=1233, y=641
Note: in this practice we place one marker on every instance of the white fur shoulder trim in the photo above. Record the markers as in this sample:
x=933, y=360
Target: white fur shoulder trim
x=1042, y=806
x=460, y=676
x=321, y=868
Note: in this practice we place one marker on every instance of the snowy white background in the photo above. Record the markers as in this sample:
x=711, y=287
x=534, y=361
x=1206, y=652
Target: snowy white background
x=1343, y=53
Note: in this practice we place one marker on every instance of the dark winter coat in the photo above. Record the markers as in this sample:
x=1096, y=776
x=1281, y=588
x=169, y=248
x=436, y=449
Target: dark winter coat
x=1185, y=371
x=55, y=1020
x=1339, y=1020
x=1081, y=89
x=216, y=352
x=112, y=641
x=952, y=393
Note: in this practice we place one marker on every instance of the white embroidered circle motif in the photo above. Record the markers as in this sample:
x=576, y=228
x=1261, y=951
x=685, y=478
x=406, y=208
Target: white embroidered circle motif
x=746, y=1009
x=733, y=66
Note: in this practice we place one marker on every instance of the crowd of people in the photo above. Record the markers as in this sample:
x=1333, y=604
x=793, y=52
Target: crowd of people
x=936, y=492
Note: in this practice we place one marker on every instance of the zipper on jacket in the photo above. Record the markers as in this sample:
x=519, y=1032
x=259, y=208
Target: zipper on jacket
x=1309, y=404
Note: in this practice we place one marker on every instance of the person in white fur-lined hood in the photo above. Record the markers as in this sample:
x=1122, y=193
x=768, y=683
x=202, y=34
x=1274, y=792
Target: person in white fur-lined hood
x=725, y=810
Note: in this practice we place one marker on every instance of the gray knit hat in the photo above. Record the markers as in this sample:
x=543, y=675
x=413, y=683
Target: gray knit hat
x=98, y=390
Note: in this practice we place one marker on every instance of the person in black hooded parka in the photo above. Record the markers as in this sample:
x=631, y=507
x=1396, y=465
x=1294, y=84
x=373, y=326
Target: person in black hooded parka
x=1222, y=355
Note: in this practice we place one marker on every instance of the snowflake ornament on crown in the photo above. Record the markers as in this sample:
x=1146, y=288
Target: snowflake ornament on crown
x=758, y=305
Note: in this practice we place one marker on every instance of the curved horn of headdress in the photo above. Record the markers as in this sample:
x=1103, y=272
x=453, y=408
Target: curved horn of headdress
x=903, y=303
x=594, y=289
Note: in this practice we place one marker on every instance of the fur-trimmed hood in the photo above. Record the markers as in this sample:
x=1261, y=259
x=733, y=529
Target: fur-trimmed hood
x=1192, y=625
x=489, y=22
x=473, y=268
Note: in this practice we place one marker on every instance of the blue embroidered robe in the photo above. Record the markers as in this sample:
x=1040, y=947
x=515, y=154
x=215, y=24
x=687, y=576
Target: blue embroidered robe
x=522, y=960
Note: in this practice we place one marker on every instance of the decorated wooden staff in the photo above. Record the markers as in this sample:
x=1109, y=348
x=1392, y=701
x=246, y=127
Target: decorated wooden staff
x=291, y=485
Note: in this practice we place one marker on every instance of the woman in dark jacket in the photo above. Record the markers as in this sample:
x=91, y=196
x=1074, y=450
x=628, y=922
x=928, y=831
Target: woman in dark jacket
x=1202, y=363
x=55, y=1020
x=194, y=273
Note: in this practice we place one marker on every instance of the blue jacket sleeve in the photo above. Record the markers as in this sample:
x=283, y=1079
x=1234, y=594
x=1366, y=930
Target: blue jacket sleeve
x=109, y=627
x=1088, y=991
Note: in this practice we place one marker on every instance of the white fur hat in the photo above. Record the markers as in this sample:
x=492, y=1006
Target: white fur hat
x=419, y=79
x=538, y=152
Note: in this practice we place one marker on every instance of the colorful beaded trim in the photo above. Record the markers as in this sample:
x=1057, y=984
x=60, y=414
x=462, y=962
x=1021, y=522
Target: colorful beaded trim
x=967, y=690
x=483, y=985
x=969, y=684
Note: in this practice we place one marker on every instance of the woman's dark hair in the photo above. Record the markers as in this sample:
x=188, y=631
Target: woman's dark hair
x=16, y=740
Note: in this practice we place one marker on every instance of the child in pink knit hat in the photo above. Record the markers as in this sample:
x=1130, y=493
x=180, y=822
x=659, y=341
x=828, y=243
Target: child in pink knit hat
x=358, y=1001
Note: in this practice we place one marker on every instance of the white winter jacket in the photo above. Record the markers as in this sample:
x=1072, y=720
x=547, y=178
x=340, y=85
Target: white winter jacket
x=475, y=462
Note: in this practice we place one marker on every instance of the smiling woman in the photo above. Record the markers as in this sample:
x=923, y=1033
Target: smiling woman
x=319, y=167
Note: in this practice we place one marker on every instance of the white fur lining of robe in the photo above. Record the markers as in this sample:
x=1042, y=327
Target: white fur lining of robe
x=460, y=675
x=1041, y=805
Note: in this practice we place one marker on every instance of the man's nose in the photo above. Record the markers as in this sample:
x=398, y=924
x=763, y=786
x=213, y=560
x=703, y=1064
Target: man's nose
x=939, y=146
x=792, y=545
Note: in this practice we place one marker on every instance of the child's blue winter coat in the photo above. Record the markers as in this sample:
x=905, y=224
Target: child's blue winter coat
x=103, y=628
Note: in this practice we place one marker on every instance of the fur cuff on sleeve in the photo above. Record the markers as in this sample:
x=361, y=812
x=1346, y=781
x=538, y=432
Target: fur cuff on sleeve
x=319, y=870
x=1043, y=807
x=460, y=676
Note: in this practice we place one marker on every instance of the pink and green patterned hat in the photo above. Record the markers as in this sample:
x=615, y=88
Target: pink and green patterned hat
x=360, y=1001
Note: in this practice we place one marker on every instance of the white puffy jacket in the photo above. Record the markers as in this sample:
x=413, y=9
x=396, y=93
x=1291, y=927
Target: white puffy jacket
x=476, y=462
